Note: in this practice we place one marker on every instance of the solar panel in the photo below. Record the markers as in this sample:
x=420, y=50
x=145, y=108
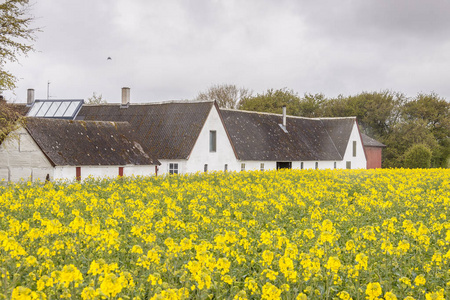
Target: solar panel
x=59, y=109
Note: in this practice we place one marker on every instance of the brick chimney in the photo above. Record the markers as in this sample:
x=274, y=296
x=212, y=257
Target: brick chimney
x=30, y=97
x=284, y=116
x=125, y=97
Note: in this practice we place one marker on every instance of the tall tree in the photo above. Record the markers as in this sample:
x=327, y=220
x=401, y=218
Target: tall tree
x=226, y=95
x=16, y=36
x=272, y=101
x=434, y=113
x=377, y=112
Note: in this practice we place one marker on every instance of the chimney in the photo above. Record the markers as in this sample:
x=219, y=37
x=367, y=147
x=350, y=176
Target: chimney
x=284, y=116
x=30, y=97
x=125, y=97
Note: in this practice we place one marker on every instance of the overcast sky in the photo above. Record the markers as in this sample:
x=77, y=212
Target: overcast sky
x=173, y=49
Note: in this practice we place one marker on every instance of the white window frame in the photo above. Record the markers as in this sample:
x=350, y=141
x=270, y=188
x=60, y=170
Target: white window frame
x=261, y=167
x=173, y=168
x=242, y=166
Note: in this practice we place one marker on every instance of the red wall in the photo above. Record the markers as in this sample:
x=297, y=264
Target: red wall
x=373, y=155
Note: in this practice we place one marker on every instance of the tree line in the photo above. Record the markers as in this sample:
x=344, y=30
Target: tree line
x=415, y=130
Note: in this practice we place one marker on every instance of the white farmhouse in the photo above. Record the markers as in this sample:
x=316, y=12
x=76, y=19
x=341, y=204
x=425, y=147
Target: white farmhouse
x=172, y=137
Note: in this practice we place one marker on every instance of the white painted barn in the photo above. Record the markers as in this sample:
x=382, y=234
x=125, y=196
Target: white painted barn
x=187, y=137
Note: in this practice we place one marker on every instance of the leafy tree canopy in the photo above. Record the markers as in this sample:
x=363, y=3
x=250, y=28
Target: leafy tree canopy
x=15, y=37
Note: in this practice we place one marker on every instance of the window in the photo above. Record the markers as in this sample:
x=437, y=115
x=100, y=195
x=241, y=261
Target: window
x=348, y=164
x=173, y=168
x=243, y=167
x=301, y=165
x=212, y=141
x=317, y=165
x=335, y=165
x=226, y=167
x=354, y=148
x=205, y=168
x=261, y=167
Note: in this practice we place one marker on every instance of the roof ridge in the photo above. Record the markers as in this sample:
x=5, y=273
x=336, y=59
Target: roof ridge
x=154, y=103
x=269, y=113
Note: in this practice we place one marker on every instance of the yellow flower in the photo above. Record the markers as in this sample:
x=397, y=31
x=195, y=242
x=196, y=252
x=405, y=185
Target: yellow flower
x=301, y=296
x=435, y=296
x=333, y=264
x=373, y=290
x=390, y=296
x=344, y=295
x=420, y=280
x=270, y=292
x=111, y=285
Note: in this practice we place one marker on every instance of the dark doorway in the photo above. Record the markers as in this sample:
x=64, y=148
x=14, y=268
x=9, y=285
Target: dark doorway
x=284, y=165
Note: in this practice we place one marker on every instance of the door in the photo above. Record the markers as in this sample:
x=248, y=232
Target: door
x=284, y=165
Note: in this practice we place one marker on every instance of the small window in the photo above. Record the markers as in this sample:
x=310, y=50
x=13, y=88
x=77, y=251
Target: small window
x=335, y=165
x=301, y=165
x=243, y=167
x=212, y=141
x=226, y=167
x=317, y=165
x=354, y=148
x=173, y=168
x=348, y=164
x=205, y=168
x=261, y=167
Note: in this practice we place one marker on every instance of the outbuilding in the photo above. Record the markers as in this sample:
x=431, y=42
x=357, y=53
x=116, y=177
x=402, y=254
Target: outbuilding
x=52, y=149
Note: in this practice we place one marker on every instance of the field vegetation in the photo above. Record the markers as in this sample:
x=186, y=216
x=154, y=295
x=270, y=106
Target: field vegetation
x=296, y=234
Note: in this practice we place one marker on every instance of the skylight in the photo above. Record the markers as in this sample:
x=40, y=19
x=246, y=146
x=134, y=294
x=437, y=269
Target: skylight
x=60, y=109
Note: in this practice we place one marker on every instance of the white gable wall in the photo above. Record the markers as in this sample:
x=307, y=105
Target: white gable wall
x=22, y=159
x=358, y=161
x=224, y=153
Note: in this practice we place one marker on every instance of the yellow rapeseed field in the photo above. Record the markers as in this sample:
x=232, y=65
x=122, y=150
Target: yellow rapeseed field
x=294, y=234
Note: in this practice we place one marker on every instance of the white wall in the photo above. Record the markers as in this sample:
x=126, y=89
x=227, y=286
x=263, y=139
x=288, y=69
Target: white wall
x=201, y=155
x=164, y=167
x=272, y=165
x=359, y=161
x=69, y=172
x=22, y=159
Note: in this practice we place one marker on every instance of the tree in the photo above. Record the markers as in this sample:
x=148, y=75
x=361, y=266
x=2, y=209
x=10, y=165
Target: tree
x=434, y=112
x=9, y=115
x=96, y=99
x=272, y=101
x=418, y=156
x=15, y=35
x=311, y=106
x=226, y=95
x=377, y=112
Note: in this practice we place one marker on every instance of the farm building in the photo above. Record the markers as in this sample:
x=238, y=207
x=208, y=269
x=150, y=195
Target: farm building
x=373, y=150
x=64, y=149
x=186, y=137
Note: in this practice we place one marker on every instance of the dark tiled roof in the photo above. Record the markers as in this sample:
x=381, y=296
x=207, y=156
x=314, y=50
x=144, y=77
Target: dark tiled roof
x=258, y=136
x=80, y=143
x=169, y=130
x=370, y=142
x=339, y=130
